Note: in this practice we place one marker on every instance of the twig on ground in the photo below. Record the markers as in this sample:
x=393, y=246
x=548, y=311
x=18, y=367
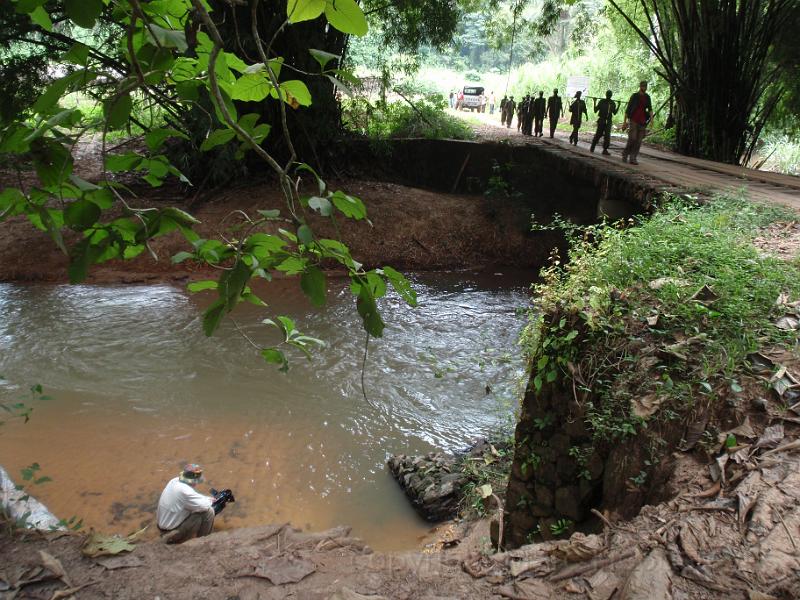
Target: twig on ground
x=788, y=533
x=595, y=565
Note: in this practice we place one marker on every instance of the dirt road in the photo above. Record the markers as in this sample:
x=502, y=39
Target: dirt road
x=692, y=174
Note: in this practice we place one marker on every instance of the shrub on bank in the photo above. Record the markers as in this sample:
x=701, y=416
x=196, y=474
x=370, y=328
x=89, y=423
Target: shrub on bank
x=651, y=317
x=426, y=119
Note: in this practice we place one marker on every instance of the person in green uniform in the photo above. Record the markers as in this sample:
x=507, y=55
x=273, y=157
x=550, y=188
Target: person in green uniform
x=503, y=103
x=510, y=110
x=605, y=110
x=638, y=114
x=539, y=110
x=554, y=110
x=578, y=110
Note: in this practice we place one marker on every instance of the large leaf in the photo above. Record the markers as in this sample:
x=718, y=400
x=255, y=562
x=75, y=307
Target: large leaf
x=350, y=206
x=78, y=54
x=53, y=162
x=401, y=285
x=58, y=88
x=304, y=10
x=83, y=13
x=368, y=310
x=323, y=57
x=81, y=214
x=99, y=544
x=167, y=38
x=297, y=90
x=312, y=282
x=251, y=87
x=346, y=16
x=217, y=138
x=41, y=18
x=118, y=111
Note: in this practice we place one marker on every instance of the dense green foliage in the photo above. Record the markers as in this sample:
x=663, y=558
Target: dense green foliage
x=665, y=308
x=174, y=55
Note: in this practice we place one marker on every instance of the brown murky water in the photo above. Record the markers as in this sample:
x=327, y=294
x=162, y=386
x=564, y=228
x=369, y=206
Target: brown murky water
x=137, y=390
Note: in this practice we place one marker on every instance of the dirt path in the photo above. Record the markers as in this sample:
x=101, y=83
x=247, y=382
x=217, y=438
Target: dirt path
x=692, y=174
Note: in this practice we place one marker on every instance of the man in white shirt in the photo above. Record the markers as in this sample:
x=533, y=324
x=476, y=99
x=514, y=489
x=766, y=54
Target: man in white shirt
x=184, y=513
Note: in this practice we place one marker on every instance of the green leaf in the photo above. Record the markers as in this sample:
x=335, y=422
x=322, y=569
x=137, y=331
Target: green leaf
x=78, y=54
x=368, y=309
x=217, y=138
x=155, y=138
x=304, y=10
x=312, y=282
x=180, y=216
x=12, y=202
x=401, y=285
x=81, y=214
x=253, y=87
x=200, y=286
x=118, y=111
x=232, y=283
x=346, y=16
x=53, y=163
x=167, y=38
x=273, y=356
x=322, y=205
x=181, y=257
x=213, y=316
x=270, y=214
x=305, y=235
x=294, y=88
x=350, y=206
x=322, y=57
x=58, y=88
x=83, y=13
x=26, y=6
x=40, y=17
x=116, y=163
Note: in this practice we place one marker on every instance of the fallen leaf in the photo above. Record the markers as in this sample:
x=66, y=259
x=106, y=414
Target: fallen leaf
x=98, y=544
x=52, y=564
x=787, y=323
x=688, y=543
x=281, y=570
x=646, y=406
x=771, y=437
x=485, y=490
x=603, y=585
x=759, y=362
x=578, y=548
x=536, y=568
x=652, y=321
x=744, y=430
x=705, y=295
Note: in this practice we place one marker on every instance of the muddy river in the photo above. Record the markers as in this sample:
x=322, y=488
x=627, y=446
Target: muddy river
x=136, y=390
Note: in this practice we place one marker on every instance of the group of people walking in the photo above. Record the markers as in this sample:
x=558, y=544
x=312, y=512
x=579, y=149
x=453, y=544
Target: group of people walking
x=531, y=113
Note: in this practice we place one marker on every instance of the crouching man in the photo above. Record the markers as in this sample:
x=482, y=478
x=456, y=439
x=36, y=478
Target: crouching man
x=184, y=513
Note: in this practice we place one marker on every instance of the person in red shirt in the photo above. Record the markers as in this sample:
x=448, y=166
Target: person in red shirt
x=637, y=117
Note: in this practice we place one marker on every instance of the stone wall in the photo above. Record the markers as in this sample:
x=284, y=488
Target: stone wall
x=556, y=473
x=560, y=472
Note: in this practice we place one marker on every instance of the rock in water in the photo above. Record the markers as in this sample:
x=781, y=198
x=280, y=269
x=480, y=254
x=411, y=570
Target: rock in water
x=433, y=483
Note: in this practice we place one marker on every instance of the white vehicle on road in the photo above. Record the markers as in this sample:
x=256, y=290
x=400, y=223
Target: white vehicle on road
x=473, y=98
